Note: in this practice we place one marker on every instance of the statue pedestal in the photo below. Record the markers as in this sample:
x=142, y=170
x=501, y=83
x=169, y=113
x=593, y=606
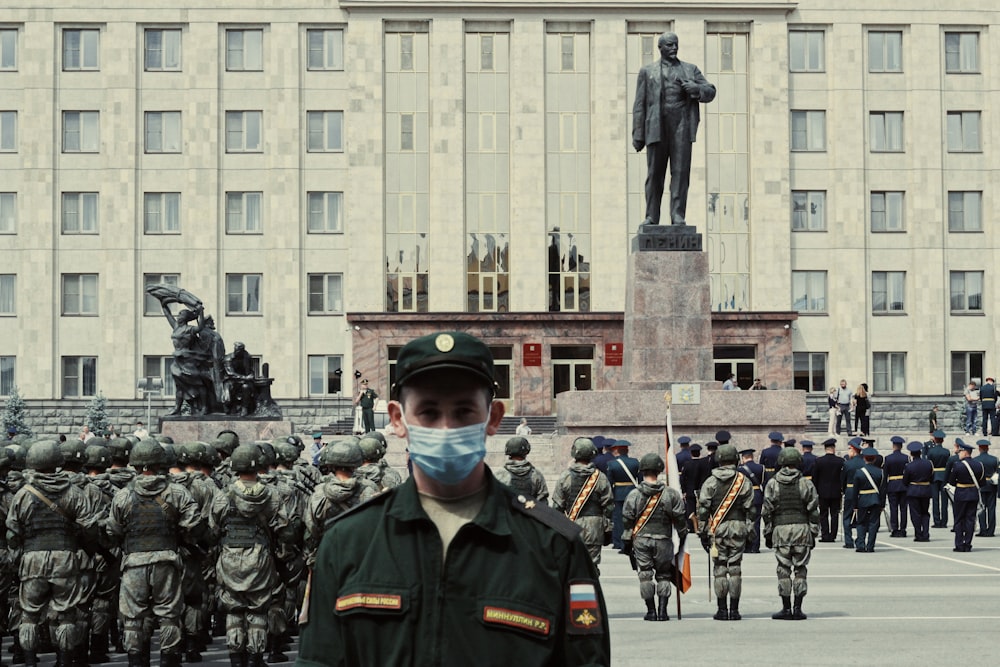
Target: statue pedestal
x=205, y=428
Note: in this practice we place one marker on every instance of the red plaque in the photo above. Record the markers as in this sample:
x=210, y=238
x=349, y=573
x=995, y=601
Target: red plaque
x=532, y=354
x=612, y=354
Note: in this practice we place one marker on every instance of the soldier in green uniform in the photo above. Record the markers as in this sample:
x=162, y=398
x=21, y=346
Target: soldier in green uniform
x=366, y=400
x=519, y=474
x=103, y=608
x=422, y=574
x=725, y=517
x=791, y=524
x=382, y=477
x=650, y=515
x=583, y=493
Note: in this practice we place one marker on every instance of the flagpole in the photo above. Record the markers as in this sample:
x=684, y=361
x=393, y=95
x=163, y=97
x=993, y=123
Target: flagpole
x=674, y=482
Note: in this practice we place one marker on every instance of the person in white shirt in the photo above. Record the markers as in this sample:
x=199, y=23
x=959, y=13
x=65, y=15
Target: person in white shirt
x=523, y=429
x=140, y=431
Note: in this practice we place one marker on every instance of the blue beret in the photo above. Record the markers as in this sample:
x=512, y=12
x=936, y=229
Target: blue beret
x=915, y=446
x=938, y=434
x=684, y=440
x=897, y=439
x=775, y=436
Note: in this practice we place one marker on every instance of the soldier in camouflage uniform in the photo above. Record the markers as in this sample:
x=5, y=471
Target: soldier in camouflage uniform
x=303, y=468
x=574, y=485
x=724, y=533
x=103, y=612
x=519, y=474
x=8, y=580
x=152, y=517
x=382, y=477
x=249, y=520
x=649, y=516
x=295, y=566
x=791, y=524
x=46, y=520
x=390, y=476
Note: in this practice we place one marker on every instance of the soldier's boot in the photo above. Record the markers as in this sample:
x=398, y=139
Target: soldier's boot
x=99, y=648
x=191, y=653
x=61, y=660
x=17, y=653
x=257, y=660
x=30, y=659
x=274, y=653
x=236, y=659
x=144, y=653
x=786, y=609
x=734, y=609
x=650, y=611
x=661, y=612
x=797, y=614
x=723, y=613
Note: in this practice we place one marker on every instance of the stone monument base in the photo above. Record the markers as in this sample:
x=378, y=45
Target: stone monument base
x=205, y=428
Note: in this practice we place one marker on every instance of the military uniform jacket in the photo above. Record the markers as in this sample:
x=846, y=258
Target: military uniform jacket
x=965, y=485
x=791, y=509
x=696, y=471
x=329, y=500
x=917, y=476
x=808, y=464
x=713, y=491
x=847, y=475
x=183, y=516
x=769, y=459
x=990, y=465
x=523, y=478
x=893, y=467
x=517, y=588
x=621, y=483
x=868, y=495
x=938, y=456
x=755, y=473
x=568, y=488
x=826, y=476
x=667, y=515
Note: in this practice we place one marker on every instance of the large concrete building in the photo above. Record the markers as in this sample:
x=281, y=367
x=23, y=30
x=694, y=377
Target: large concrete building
x=331, y=178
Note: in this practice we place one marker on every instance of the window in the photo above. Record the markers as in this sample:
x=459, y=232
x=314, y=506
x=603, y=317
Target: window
x=885, y=51
x=8, y=212
x=486, y=53
x=243, y=293
x=8, y=294
x=887, y=211
x=963, y=132
x=965, y=211
x=163, y=131
x=79, y=376
x=8, y=131
x=889, y=372
x=79, y=213
x=326, y=130
x=326, y=293
x=965, y=366
x=161, y=213
x=888, y=291
x=8, y=49
x=324, y=374
x=80, y=48
x=961, y=52
x=79, y=294
x=243, y=131
x=566, y=52
x=406, y=53
x=81, y=131
x=243, y=215
x=150, y=304
x=244, y=50
x=966, y=291
x=886, y=131
x=805, y=50
x=163, y=50
x=326, y=49
x=809, y=371
x=809, y=291
x=160, y=367
x=406, y=132
x=325, y=212
x=8, y=375
x=808, y=211
x=808, y=130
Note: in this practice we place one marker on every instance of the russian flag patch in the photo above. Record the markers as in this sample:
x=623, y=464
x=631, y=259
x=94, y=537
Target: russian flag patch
x=584, y=609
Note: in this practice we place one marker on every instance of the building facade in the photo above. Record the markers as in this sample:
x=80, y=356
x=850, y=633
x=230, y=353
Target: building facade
x=332, y=177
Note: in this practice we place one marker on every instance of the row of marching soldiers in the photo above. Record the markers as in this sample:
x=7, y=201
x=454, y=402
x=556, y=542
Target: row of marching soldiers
x=107, y=543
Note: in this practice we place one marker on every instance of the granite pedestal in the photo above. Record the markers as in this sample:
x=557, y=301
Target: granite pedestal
x=206, y=428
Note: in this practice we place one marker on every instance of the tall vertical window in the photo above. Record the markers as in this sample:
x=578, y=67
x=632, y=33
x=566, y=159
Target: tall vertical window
x=888, y=291
x=161, y=213
x=887, y=212
x=163, y=50
x=406, y=132
x=965, y=366
x=243, y=213
x=326, y=131
x=805, y=50
x=150, y=304
x=8, y=131
x=808, y=130
x=963, y=132
x=326, y=49
x=326, y=212
x=245, y=50
x=79, y=294
x=80, y=213
x=889, y=372
x=80, y=49
x=79, y=377
x=808, y=211
x=809, y=371
x=406, y=52
x=886, y=131
x=885, y=51
x=326, y=293
x=486, y=53
x=809, y=291
x=966, y=291
x=324, y=374
x=243, y=131
x=8, y=49
x=961, y=52
x=965, y=211
x=163, y=131
x=8, y=212
x=159, y=366
x=243, y=293
x=8, y=294
x=567, y=53
x=81, y=131
x=8, y=375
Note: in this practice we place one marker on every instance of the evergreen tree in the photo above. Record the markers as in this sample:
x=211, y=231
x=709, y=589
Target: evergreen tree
x=13, y=414
x=97, y=415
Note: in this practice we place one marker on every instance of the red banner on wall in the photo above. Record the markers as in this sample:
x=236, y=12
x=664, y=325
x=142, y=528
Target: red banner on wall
x=612, y=354
x=532, y=354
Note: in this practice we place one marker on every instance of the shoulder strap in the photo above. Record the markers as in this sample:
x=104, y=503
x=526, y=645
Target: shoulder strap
x=628, y=472
x=869, y=476
x=48, y=503
x=971, y=474
x=727, y=503
x=583, y=496
x=647, y=512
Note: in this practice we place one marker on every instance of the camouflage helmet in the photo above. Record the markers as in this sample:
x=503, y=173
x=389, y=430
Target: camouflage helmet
x=132, y=440
x=790, y=457
x=583, y=449
x=246, y=458
x=341, y=454
x=147, y=454
x=19, y=452
x=74, y=451
x=44, y=455
x=6, y=458
x=517, y=446
x=727, y=455
x=652, y=463
x=164, y=439
x=227, y=441
x=169, y=453
x=371, y=449
x=119, y=448
x=98, y=456
x=268, y=457
x=287, y=453
x=296, y=441
x=210, y=457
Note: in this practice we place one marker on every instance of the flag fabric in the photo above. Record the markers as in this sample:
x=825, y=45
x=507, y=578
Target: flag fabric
x=682, y=559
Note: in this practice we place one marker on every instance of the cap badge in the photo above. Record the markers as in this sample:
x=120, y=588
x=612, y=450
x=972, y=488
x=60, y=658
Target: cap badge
x=444, y=343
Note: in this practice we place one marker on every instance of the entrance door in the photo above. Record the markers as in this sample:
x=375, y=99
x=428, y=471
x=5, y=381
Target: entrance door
x=738, y=359
x=572, y=368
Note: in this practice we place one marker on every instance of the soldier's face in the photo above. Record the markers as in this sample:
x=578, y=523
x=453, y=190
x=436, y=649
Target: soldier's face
x=447, y=400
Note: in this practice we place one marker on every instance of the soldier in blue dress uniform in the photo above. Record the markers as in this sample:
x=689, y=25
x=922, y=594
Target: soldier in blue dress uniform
x=895, y=491
x=769, y=457
x=938, y=456
x=869, y=488
x=755, y=472
x=808, y=459
x=852, y=462
x=966, y=476
x=987, y=490
x=623, y=473
x=917, y=476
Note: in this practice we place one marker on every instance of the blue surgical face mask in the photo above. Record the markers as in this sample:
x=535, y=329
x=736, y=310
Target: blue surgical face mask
x=447, y=455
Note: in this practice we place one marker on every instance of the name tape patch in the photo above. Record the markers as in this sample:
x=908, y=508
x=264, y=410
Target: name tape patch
x=369, y=601
x=517, y=619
